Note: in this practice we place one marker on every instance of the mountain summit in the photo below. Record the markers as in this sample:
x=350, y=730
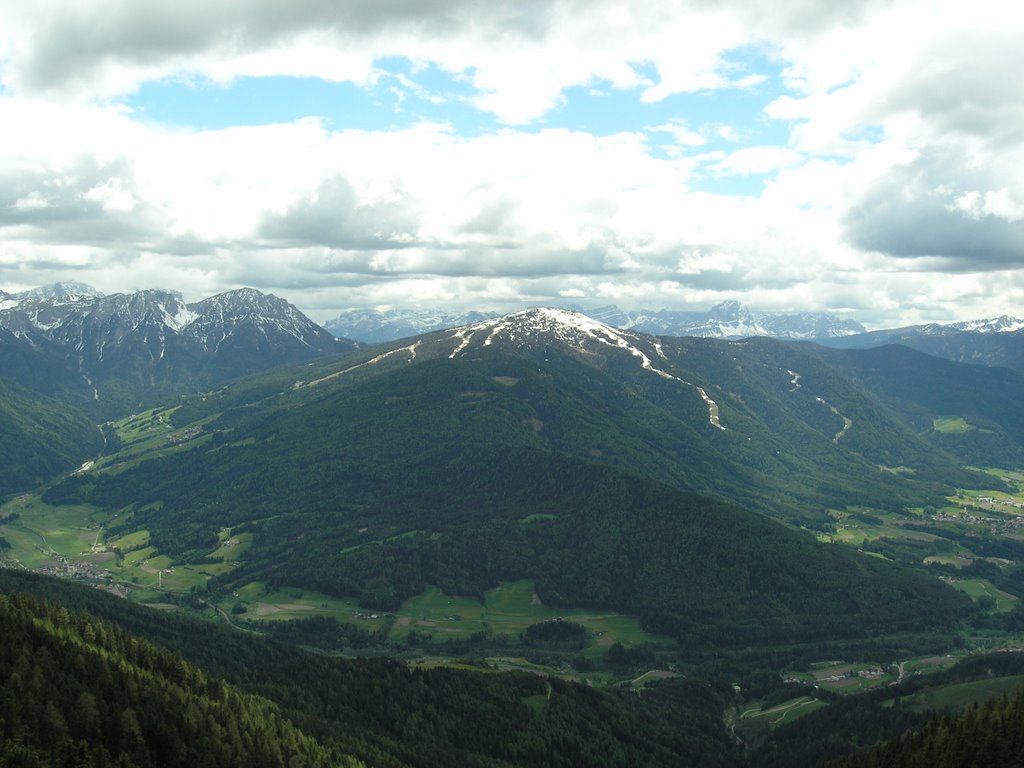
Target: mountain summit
x=539, y=326
x=130, y=343
x=728, y=320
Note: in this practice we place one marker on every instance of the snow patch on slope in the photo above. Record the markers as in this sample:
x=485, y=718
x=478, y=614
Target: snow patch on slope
x=1003, y=324
x=573, y=329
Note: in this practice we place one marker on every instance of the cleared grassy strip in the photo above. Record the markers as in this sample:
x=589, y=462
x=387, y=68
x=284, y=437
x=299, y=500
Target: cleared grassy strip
x=926, y=664
x=508, y=610
x=131, y=541
x=951, y=425
x=977, y=589
x=292, y=603
x=786, y=712
x=961, y=694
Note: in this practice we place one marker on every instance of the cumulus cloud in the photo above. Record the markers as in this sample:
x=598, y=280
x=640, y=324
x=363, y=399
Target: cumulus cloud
x=928, y=225
x=900, y=161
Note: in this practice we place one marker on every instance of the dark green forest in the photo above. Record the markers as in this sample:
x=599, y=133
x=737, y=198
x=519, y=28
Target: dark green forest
x=984, y=734
x=378, y=710
x=40, y=438
x=78, y=691
x=589, y=535
x=447, y=473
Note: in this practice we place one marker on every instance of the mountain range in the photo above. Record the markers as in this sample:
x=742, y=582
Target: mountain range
x=614, y=469
x=684, y=483
x=107, y=353
x=728, y=320
x=993, y=342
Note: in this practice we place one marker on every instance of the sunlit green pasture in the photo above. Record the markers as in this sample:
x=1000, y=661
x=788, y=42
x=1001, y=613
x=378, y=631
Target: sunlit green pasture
x=977, y=589
x=951, y=425
x=783, y=713
x=960, y=695
x=39, y=532
x=144, y=434
x=508, y=610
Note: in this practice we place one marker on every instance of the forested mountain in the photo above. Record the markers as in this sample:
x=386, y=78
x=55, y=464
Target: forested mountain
x=611, y=470
x=40, y=438
x=548, y=446
x=973, y=412
x=995, y=342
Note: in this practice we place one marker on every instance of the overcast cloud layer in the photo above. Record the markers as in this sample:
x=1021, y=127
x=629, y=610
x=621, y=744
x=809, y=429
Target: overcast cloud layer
x=881, y=176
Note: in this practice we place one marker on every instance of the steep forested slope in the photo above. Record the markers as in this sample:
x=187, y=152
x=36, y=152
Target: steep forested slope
x=80, y=692
x=984, y=406
x=381, y=711
x=40, y=438
x=986, y=734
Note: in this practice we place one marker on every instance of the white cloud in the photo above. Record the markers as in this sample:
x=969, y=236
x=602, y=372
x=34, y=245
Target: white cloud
x=682, y=135
x=998, y=203
x=757, y=160
x=904, y=162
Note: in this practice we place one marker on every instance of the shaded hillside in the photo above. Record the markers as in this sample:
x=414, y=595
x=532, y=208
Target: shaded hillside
x=985, y=406
x=81, y=692
x=40, y=438
x=391, y=715
x=998, y=342
x=986, y=734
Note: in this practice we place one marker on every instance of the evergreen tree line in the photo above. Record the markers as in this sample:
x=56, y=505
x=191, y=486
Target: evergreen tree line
x=78, y=691
x=988, y=734
x=380, y=711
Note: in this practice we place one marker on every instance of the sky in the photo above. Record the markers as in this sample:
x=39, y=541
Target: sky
x=864, y=158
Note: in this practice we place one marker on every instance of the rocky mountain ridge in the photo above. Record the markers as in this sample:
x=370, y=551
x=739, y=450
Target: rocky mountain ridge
x=728, y=320
x=151, y=339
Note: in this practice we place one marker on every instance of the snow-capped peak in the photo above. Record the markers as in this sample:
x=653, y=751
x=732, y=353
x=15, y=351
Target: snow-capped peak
x=60, y=292
x=1002, y=324
x=544, y=324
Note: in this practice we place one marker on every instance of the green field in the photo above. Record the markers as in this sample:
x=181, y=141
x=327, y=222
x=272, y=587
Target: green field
x=145, y=434
x=951, y=425
x=292, y=603
x=846, y=677
x=783, y=713
x=508, y=610
x=979, y=588
x=961, y=694
x=856, y=527
x=40, y=532
x=59, y=539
